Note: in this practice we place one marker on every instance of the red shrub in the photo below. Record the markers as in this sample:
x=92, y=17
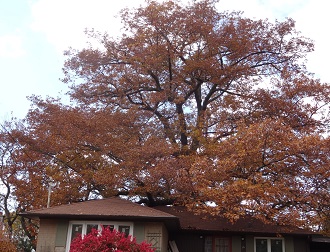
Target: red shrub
x=108, y=241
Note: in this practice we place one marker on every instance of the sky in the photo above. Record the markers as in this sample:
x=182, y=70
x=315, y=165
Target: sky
x=35, y=33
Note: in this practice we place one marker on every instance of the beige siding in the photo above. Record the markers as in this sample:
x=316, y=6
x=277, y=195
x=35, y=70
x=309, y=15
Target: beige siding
x=138, y=232
x=59, y=249
x=156, y=234
x=289, y=244
x=47, y=236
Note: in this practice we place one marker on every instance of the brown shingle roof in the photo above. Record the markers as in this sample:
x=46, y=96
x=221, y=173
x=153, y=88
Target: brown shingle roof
x=203, y=222
x=120, y=209
x=114, y=208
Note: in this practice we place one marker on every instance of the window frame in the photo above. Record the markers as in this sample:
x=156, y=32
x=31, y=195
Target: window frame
x=269, y=239
x=84, y=224
x=214, y=237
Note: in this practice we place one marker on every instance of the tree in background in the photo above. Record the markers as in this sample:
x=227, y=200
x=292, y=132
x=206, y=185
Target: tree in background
x=189, y=106
x=15, y=230
x=7, y=174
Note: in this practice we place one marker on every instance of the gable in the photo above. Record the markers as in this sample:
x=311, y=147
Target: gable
x=114, y=208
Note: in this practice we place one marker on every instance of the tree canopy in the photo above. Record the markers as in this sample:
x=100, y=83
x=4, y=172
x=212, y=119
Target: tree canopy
x=190, y=106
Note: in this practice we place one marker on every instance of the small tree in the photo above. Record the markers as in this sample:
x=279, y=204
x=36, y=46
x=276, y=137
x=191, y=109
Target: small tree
x=107, y=241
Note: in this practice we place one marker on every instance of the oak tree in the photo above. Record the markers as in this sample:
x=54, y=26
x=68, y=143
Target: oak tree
x=193, y=106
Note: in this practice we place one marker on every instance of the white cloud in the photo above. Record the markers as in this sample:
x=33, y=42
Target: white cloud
x=282, y=8
x=11, y=46
x=312, y=21
x=63, y=21
x=251, y=8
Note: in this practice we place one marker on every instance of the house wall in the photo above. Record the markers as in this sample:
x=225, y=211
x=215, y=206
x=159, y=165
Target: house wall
x=249, y=243
x=194, y=242
x=157, y=235
x=236, y=242
x=46, y=236
x=53, y=235
x=188, y=242
x=289, y=246
x=301, y=244
x=138, y=232
x=165, y=239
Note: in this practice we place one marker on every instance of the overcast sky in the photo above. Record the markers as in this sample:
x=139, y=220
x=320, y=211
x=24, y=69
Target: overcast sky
x=34, y=34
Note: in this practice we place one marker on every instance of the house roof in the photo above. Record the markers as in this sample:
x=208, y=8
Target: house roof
x=114, y=208
x=174, y=217
x=190, y=221
x=320, y=239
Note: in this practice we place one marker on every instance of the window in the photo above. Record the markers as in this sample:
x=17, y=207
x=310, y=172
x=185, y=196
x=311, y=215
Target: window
x=89, y=227
x=124, y=229
x=269, y=244
x=217, y=244
x=84, y=227
x=76, y=230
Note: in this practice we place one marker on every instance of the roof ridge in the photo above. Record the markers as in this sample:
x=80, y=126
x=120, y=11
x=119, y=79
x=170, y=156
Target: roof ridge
x=111, y=206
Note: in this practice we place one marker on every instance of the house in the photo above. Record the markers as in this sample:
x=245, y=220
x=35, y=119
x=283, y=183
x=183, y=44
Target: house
x=166, y=228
